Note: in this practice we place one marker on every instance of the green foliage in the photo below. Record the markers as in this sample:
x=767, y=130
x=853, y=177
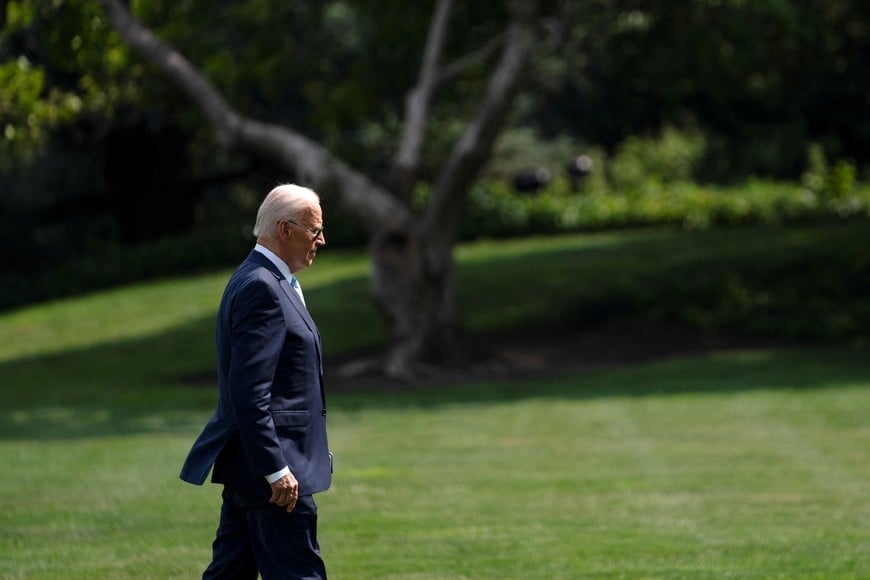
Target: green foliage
x=647, y=182
x=841, y=180
x=62, y=64
x=669, y=157
x=816, y=173
x=28, y=108
x=496, y=210
x=522, y=148
x=763, y=78
x=831, y=183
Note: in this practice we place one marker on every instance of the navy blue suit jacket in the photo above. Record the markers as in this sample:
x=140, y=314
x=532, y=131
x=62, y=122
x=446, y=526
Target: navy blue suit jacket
x=272, y=409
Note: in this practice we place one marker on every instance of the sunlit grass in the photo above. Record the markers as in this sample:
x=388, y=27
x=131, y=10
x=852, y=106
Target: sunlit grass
x=727, y=465
x=559, y=482
x=141, y=311
x=122, y=314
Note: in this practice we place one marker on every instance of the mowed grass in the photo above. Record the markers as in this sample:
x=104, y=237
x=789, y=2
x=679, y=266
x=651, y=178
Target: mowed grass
x=744, y=463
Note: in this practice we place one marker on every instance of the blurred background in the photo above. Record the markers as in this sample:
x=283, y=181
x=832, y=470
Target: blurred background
x=693, y=114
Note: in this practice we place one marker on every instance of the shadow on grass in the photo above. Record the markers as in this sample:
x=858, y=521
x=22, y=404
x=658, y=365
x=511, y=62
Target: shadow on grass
x=146, y=385
x=718, y=372
x=125, y=389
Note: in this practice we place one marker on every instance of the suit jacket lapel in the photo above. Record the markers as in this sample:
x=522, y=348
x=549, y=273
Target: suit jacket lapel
x=297, y=303
x=284, y=283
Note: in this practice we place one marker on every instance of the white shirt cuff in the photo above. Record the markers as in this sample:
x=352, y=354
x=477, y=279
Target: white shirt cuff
x=273, y=477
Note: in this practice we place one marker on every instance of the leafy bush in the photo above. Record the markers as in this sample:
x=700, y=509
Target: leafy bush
x=832, y=183
x=495, y=210
x=519, y=149
x=648, y=183
x=667, y=158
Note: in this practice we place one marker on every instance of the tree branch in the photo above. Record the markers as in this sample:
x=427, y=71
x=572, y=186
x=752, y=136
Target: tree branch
x=371, y=204
x=406, y=163
x=460, y=65
x=178, y=69
x=474, y=147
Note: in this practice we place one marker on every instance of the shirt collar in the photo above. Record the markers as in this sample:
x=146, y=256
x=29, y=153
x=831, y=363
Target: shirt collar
x=279, y=263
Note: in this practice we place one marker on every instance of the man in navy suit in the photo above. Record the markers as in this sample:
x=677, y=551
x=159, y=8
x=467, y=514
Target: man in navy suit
x=267, y=438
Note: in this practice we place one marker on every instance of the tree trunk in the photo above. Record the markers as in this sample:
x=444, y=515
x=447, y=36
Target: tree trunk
x=415, y=290
x=413, y=276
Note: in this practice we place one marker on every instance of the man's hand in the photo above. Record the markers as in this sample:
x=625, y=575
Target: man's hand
x=285, y=492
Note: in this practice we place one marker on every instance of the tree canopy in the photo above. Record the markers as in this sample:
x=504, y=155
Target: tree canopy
x=765, y=78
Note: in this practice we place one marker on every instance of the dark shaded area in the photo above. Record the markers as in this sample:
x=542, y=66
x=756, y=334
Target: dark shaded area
x=544, y=353
x=762, y=79
x=534, y=362
x=147, y=180
x=531, y=180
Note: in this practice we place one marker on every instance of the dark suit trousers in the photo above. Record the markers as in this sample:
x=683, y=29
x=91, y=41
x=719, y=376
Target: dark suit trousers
x=257, y=536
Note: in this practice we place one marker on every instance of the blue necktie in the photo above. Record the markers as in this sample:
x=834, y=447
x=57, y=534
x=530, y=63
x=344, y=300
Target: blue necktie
x=295, y=283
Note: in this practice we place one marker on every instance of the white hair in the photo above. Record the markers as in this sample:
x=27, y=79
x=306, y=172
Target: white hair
x=285, y=202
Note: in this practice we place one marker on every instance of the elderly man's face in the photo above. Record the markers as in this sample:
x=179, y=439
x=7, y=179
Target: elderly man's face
x=301, y=240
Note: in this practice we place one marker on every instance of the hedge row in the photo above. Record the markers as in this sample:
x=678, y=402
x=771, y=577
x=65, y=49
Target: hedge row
x=495, y=210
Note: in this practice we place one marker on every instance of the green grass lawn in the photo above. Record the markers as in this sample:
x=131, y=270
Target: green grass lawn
x=744, y=463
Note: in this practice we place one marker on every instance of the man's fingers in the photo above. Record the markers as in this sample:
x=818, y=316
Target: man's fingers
x=292, y=503
x=285, y=499
x=285, y=491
